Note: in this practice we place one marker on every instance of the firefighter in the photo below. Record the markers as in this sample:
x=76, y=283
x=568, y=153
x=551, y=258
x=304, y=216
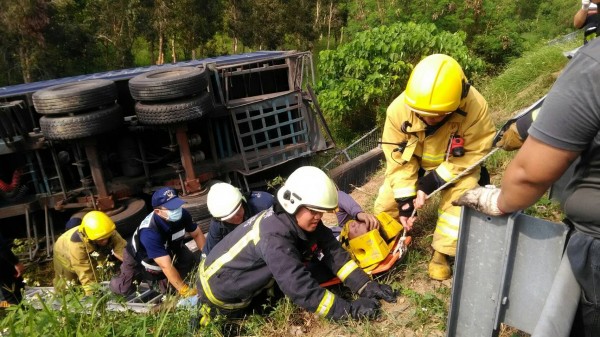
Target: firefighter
x=275, y=246
x=230, y=208
x=156, y=252
x=434, y=130
x=78, y=251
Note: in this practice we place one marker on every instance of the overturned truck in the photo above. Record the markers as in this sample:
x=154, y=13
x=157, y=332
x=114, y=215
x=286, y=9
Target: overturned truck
x=105, y=141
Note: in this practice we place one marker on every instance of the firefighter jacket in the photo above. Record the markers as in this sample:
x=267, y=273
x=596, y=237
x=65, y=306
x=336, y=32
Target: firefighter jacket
x=76, y=258
x=271, y=246
x=428, y=148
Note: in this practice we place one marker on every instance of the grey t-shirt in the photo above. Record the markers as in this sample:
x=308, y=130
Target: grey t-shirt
x=570, y=120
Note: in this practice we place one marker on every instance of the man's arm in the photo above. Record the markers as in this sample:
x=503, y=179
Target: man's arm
x=165, y=263
x=581, y=15
x=198, y=236
x=580, y=18
x=535, y=167
x=118, y=244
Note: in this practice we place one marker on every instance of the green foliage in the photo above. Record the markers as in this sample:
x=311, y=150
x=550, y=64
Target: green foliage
x=524, y=81
x=546, y=208
x=360, y=78
x=428, y=307
x=275, y=183
x=71, y=314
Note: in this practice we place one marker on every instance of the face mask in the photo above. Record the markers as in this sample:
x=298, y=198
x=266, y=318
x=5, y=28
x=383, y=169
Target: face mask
x=175, y=214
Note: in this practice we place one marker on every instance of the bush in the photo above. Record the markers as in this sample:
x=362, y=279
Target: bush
x=360, y=78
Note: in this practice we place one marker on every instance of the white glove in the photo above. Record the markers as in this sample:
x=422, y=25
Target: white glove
x=483, y=199
x=585, y=4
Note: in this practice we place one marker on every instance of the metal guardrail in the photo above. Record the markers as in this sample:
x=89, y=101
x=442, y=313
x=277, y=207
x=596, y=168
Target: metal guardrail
x=565, y=38
x=364, y=144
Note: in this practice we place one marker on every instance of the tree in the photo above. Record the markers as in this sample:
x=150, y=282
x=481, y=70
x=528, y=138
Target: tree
x=196, y=22
x=116, y=27
x=23, y=23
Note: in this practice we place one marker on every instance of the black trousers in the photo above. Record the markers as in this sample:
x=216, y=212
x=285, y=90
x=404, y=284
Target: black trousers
x=583, y=252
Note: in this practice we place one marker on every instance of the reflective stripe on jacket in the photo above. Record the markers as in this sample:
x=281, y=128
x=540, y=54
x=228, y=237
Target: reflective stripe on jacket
x=271, y=246
x=472, y=123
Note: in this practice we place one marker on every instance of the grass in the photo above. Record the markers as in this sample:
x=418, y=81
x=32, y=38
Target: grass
x=524, y=80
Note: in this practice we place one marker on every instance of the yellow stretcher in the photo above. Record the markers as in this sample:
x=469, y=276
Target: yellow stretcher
x=377, y=251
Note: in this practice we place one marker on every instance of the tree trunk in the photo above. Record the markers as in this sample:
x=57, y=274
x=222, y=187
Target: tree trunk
x=173, y=55
x=161, y=54
x=329, y=23
x=317, y=15
x=25, y=64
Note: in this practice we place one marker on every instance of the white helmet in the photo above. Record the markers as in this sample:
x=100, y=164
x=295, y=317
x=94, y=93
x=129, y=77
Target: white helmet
x=310, y=187
x=223, y=200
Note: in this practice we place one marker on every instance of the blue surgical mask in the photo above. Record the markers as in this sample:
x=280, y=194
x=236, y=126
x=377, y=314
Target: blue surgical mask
x=174, y=215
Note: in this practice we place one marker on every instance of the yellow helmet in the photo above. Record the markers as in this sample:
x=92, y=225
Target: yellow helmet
x=310, y=187
x=96, y=225
x=436, y=86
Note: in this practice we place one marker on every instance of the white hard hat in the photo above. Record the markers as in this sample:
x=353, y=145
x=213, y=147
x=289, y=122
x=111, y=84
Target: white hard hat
x=310, y=187
x=223, y=200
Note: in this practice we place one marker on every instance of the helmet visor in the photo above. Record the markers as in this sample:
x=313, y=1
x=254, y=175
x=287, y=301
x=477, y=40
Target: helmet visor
x=233, y=213
x=428, y=113
x=319, y=209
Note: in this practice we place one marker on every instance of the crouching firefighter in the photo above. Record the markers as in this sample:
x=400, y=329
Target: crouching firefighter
x=274, y=246
x=156, y=252
x=79, y=250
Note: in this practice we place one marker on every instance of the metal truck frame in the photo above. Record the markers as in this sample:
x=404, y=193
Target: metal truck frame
x=260, y=121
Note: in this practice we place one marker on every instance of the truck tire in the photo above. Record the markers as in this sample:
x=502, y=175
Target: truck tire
x=127, y=215
x=75, y=97
x=196, y=206
x=128, y=220
x=82, y=125
x=174, y=112
x=168, y=84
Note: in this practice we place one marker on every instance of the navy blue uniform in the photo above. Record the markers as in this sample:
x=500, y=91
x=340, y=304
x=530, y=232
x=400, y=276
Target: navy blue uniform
x=256, y=201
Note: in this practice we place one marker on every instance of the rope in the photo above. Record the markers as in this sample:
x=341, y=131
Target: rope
x=460, y=175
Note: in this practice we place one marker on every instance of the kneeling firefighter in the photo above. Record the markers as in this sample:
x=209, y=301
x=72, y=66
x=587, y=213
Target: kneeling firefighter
x=275, y=246
x=75, y=258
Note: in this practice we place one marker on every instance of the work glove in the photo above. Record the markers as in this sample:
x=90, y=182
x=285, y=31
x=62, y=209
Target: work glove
x=483, y=199
x=379, y=291
x=405, y=206
x=585, y=4
x=430, y=182
x=186, y=291
x=190, y=302
x=364, y=308
x=511, y=140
